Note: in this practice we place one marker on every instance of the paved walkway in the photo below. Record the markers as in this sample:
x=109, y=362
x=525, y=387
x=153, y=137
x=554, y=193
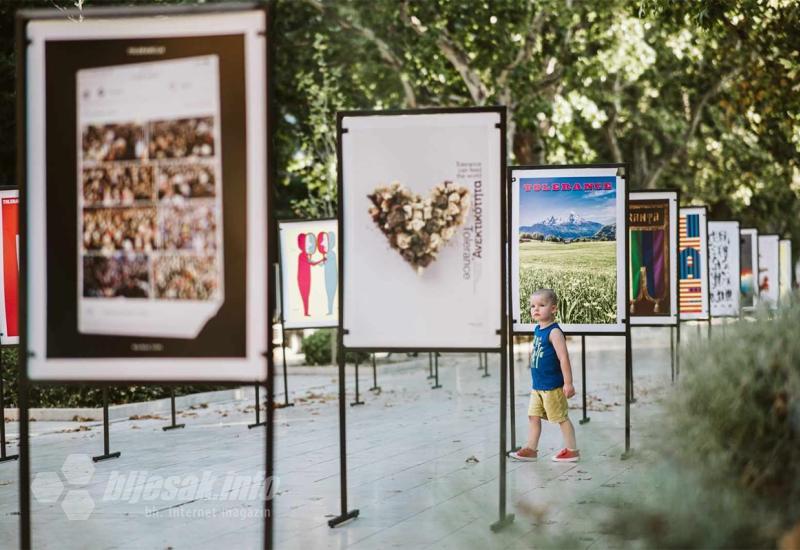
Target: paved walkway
x=422, y=464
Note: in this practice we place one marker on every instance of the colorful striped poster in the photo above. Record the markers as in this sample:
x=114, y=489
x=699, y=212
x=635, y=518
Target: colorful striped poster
x=652, y=218
x=692, y=264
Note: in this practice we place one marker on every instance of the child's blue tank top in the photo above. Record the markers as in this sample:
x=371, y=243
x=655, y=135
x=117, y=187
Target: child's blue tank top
x=545, y=367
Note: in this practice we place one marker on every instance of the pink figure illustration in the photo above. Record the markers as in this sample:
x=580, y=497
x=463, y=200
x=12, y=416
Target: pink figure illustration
x=307, y=244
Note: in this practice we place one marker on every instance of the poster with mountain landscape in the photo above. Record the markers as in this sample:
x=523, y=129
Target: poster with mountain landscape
x=568, y=234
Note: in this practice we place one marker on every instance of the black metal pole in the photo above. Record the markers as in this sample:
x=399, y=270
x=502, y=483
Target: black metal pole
x=345, y=514
x=678, y=351
x=285, y=376
x=3, y=456
x=505, y=518
x=106, y=429
x=585, y=418
x=436, y=384
x=512, y=412
x=672, y=353
x=173, y=425
x=628, y=387
x=630, y=378
x=430, y=366
x=258, y=421
x=375, y=387
x=709, y=327
x=358, y=397
x=480, y=361
x=485, y=365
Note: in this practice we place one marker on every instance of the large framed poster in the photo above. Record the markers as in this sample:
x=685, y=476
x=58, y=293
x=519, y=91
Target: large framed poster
x=568, y=233
x=723, y=268
x=748, y=252
x=309, y=273
x=9, y=267
x=652, y=260
x=785, y=279
x=693, y=263
x=146, y=195
x=421, y=211
x=769, y=269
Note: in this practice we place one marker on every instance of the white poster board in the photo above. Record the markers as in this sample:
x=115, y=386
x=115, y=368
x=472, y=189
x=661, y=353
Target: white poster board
x=786, y=283
x=309, y=273
x=568, y=234
x=723, y=267
x=143, y=167
x=653, y=257
x=748, y=253
x=9, y=267
x=693, y=263
x=769, y=270
x=421, y=206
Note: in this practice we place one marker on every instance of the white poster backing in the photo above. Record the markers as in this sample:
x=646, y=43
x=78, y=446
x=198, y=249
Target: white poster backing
x=568, y=233
x=192, y=281
x=421, y=207
x=723, y=268
x=309, y=273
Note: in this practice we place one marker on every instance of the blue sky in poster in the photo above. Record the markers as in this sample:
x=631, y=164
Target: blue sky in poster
x=539, y=205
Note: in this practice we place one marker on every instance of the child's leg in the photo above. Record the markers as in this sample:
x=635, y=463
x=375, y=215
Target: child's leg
x=568, y=432
x=534, y=431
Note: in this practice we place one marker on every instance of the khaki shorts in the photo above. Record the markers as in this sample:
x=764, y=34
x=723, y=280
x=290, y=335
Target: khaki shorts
x=549, y=404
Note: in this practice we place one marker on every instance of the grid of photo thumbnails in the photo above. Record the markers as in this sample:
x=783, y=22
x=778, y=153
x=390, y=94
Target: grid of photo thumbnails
x=149, y=210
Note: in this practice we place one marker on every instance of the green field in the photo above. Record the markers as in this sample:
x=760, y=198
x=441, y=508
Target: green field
x=584, y=276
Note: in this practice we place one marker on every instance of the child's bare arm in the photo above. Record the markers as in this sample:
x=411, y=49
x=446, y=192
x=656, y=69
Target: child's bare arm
x=560, y=344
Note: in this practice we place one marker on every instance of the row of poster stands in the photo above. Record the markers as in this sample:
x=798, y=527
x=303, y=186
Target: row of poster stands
x=146, y=233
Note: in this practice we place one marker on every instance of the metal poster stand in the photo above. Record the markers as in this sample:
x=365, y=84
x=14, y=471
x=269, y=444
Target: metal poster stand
x=106, y=429
x=433, y=357
x=286, y=402
x=674, y=328
x=258, y=421
x=375, y=387
x=4, y=457
x=708, y=306
x=25, y=383
x=627, y=331
x=358, y=398
x=173, y=425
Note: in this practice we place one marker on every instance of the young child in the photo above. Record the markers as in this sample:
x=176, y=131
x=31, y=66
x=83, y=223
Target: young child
x=552, y=380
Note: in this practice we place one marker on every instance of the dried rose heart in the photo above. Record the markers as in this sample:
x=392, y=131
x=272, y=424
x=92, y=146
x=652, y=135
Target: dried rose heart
x=418, y=228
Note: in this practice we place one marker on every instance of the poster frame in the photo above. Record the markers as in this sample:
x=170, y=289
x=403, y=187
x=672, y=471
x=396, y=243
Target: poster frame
x=622, y=172
x=27, y=16
x=4, y=340
x=739, y=230
x=676, y=267
x=289, y=221
x=754, y=263
x=707, y=317
x=771, y=306
x=340, y=130
x=791, y=267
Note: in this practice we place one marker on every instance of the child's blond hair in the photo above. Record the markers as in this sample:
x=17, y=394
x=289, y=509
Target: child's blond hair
x=548, y=294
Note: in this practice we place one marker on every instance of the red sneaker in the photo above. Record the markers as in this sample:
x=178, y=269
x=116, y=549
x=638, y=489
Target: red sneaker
x=525, y=454
x=567, y=455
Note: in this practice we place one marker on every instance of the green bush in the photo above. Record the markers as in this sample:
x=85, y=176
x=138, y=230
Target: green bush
x=728, y=473
x=317, y=349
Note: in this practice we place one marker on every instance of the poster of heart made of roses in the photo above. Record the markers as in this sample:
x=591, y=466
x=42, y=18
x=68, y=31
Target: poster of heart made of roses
x=421, y=247
x=568, y=234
